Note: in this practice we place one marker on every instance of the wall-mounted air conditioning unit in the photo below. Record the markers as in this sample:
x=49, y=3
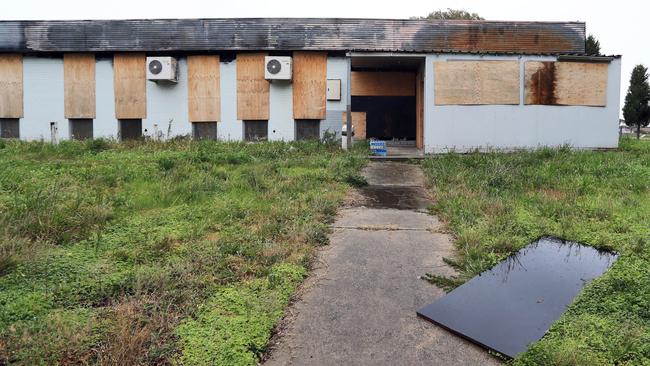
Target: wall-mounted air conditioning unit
x=277, y=68
x=162, y=68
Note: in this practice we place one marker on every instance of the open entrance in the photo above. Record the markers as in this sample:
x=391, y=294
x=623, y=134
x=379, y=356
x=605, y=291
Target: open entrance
x=387, y=101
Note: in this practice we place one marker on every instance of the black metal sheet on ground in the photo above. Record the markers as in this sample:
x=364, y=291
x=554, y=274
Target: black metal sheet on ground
x=513, y=304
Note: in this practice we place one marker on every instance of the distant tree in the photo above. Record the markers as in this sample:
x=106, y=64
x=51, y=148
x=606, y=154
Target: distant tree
x=592, y=46
x=636, y=110
x=451, y=14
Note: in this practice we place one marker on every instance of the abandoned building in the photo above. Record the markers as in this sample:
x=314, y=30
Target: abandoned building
x=438, y=85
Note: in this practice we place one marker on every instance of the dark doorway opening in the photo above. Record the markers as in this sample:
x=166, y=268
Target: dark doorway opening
x=387, y=117
x=388, y=89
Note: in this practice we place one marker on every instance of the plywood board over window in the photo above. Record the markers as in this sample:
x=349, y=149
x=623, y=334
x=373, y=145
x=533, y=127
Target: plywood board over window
x=309, y=85
x=204, y=92
x=252, y=88
x=11, y=86
x=79, y=85
x=476, y=82
x=130, y=85
x=566, y=83
x=382, y=84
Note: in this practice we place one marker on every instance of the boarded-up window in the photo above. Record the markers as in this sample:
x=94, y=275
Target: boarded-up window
x=204, y=130
x=130, y=129
x=204, y=99
x=256, y=130
x=307, y=129
x=130, y=85
x=566, y=83
x=358, y=124
x=11, y=86
x=476, y=82
x=81, y=128
x=79, y=81
x=383, y=84
x=9, y=128
x=252, y=88
x=309, y=85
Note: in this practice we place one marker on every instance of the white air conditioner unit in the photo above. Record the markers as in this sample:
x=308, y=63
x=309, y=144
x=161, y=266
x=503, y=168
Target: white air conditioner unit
x=162, y=68
x=277, y=68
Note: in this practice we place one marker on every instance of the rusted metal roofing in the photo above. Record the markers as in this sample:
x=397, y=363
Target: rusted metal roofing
x=384, y=35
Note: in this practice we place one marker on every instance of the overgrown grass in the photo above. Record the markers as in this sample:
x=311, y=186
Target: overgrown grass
x=155, y=253
x=496, y=203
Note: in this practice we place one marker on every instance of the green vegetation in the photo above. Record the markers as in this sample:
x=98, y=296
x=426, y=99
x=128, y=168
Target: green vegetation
x=496, y=203
x=153, y=253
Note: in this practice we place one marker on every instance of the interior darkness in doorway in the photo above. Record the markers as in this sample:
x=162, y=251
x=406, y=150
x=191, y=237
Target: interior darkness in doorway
x=387, y=118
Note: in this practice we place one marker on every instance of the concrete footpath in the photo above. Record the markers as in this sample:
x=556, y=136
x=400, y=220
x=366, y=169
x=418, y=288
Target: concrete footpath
x=359, y=305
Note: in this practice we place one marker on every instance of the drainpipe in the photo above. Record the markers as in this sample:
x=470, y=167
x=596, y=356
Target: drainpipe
x=349, y=104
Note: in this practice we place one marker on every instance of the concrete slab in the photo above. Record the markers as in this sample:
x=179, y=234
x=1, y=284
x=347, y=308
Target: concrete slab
x=358, y=307
x=386, y=219
x=393, y=174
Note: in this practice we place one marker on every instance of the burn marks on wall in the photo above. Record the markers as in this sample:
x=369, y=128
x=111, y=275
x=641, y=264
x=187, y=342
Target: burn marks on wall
x=566, y=83
x=541, y=85
x=277, y=34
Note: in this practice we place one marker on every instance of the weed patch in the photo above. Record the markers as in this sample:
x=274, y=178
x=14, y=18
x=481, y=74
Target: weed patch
x=149, y=252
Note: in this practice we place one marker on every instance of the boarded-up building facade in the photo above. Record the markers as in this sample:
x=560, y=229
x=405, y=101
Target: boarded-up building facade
x=439, y=85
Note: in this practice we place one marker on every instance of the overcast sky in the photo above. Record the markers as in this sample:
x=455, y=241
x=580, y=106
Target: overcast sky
x=617, y=24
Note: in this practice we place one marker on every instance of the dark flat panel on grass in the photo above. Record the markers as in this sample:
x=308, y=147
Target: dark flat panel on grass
x=513, y=304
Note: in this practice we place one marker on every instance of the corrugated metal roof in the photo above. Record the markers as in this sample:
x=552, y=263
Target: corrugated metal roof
x=385, y=35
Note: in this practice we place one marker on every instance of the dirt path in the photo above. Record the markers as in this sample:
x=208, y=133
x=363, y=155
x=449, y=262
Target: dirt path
x=358, y=306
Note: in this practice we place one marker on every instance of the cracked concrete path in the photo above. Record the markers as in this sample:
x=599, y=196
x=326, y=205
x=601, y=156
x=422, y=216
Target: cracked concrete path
x=359, y=305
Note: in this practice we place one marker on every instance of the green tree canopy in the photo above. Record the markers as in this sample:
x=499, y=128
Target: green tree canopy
x=451, y=14
x=592, y=46
x=636, y=110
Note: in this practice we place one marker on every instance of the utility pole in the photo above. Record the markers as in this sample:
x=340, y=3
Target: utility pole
x=348, y=127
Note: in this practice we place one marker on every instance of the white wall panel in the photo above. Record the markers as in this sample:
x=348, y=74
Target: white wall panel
x=229, y=128
x=167, y=107
x=281, y=125
x=43, y=99
x=105, y=124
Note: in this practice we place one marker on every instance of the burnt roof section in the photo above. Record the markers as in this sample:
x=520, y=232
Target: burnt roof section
x=288, y=34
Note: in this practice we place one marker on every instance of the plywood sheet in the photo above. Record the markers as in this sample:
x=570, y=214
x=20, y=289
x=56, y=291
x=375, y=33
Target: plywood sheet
x=309, y=85
x=79, y=85
x=204, y=92
x=252, y=88
x=476, y=82
x=566, y=83
x=130, y=85
x=383, y=83
x=358, y=123
x=11, y=85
